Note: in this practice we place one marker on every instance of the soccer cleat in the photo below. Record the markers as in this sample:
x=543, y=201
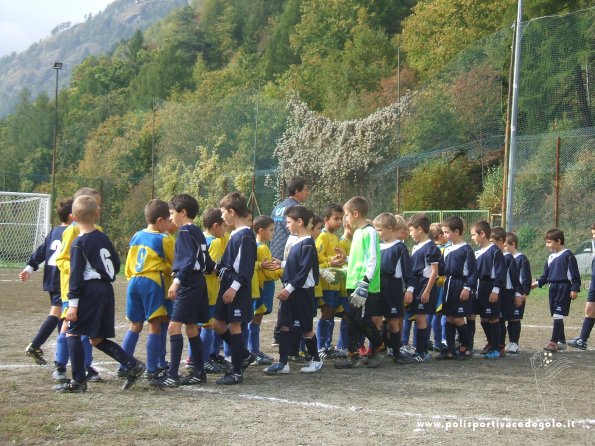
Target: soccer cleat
x=92, y=375
x=406, y=350
x=230, y=378
x=513, y=348
x=193, y=378
x=166, y=381
x=249, y=359
x=133, y=374
x=445, y=356
x=221, y=362
x=313, y=367
x=341, y=353
x=561, y=346
x=492, y=354
x=551, y=347
x=578, y=343
x=278, y=368
x=59, y=373
x=419, y=358
x=70, y=386
x=324, y=353
x=262, y=359
x=352, y=361
x=212, y=367
x=377, y=359
x=122, y=372
x=36, y=354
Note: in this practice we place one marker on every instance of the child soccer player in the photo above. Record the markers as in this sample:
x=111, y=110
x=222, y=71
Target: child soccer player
x=561, y=272
x=589, y=321
x=363, y=284
x=439, y=320
x=300, y=275
x=93, y=266
x=425, y=258
x=149, y=259
x=345, y=247
x=491, y=278
x=267, y=271
x=329, y=256
x=459, y=267
x=189, y=289
x=46, y=252
x=235, y=270
x=395, y=273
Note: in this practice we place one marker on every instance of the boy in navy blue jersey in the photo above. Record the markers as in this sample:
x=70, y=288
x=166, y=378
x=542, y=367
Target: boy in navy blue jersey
x=517, y=310
x=458, y=265
x=46, y=252
x=93, y=266
x=300, y=276
x=491, y=278
x=189, y=289
x=235, y=271
x=561, y=272
x=425, y=258
x=589, y=321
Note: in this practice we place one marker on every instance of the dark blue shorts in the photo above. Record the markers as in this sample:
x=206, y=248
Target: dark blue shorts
x=559, y=298
x=391, y=290
x=296, y=311
x=240, y=310
x=506, y=304
x=453, y=305
x=417, y=307
x=55, y=298
x=191, y=305
x=95, y=315
x=487, y=310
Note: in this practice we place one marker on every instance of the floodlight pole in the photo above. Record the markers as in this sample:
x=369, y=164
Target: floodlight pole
x=513, y=115
x=57, y=66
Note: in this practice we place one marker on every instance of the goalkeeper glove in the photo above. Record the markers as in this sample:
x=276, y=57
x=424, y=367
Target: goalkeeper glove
x=359, y=296
x=328, y=275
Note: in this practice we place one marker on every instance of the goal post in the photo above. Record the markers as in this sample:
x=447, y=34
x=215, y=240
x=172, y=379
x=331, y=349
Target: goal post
x=24, y=224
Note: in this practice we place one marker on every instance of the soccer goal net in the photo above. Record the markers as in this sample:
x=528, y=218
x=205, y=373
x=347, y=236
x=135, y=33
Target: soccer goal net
x=24, y=223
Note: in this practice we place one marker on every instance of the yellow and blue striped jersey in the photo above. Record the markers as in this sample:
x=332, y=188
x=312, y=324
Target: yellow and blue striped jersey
x=151, y=255
x=326, y=242
x=263, y=253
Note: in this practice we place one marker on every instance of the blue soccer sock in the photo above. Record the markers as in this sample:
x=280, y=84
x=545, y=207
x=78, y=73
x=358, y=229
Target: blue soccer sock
x=62, y=352
x=88, y=348
x=437, y=329
x=405, y=333
x=206, y=336
x=46, y=329
x=284, y=346
x=329, y=333
x=129, y=342
x=176, y=346
x=343, y=341
x=77, y=358
x=197, y=357
x=163, y=344
x=153, y=349
x=237, y=352
x=113, y=350
x=254, y=338
x=217, y=345
x=321, y=333
x=585, y=329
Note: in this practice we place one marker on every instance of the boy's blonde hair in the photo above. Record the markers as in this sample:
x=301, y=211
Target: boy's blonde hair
x=386, y=220
x=401, y=223
x=84, y=209
x=436, y=230
x=87, y=191
x=359, y=204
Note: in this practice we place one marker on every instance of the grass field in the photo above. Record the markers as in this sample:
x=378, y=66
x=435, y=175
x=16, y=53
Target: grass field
x=513, y=400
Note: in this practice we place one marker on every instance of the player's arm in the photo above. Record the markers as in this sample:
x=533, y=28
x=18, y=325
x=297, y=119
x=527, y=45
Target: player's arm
x=114, y=258
x=131, y=260
x=499, y=265
x=305, y=264
x=322, y=242
x=471, y=281
x=247, y=262
x=36, y=259
x=264, y=254
x=185, y=257
x=433, y=259
x=168, y=253
x=372, y=263
x=63, y=258
x=542, y=280
x=408, y=277
x=525, y=276
x=575, y=277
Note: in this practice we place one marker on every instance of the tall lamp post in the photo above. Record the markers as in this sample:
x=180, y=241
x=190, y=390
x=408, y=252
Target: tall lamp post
x=57, y=66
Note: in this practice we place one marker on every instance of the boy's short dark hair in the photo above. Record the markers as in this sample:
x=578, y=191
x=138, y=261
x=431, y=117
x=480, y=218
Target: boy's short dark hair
x=498, y=233
x=511, y=238
x=295, y=185
x=555, y=235
x=330, y=208
x=317, y=219
x=454, y=223
x=210, y=217
x=359, y=204
x=301, y=212
x=262, y=222
x=64, y=209
x=237, y=202
x=420, y=221
x=155, y=209
x=87, y=191
x=482, y=226
x=184, y=201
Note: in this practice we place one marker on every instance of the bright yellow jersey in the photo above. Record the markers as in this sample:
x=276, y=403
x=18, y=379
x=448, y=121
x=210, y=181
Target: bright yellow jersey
x=151, y=255
x=63, y=259
x=263, y=253
x=216, y=250
x=345, y=245
x=326, y=243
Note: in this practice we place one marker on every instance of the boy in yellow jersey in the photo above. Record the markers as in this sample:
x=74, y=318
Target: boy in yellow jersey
x=329, y=256
x=63, y=264
x=149, y=260
x=267, y=271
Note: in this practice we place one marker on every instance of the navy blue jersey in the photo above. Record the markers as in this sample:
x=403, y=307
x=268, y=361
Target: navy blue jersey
x=239, y=259
x=191, y=253
x=422, y=256
x=47, y=252
x=301, y=267
x=512, y=274
x=458, y=261
x=524, y=270
x=396, y=262
x=561, y=267
x=490, y=266
x=277, y=245
x=92, y=257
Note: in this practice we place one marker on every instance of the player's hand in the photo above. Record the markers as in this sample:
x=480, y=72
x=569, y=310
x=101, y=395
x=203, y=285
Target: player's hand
x=24, y=275
x=229, y=296
x=361, y=289
x=573, y=295
x=408, y=298
x=283, y=295
x=464, y=295
x=328, y=275
x=71, y=314
x=337, y=260
x=493, y=298
x=425, y=297
x=268, y=264
x=357, y=301
x=173, y=289
x=534, y=285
